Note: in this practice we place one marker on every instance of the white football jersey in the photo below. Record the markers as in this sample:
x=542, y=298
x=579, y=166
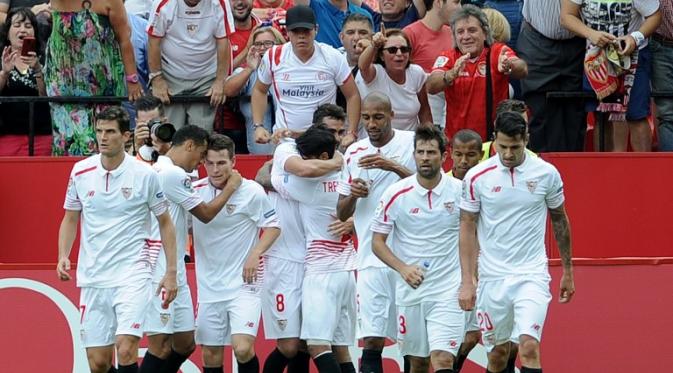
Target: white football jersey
x=424, y=225
x=401, y=150
x=177, y=187
x=115, y=242
x=298, y=88
x=512, y=205
x=223, y=245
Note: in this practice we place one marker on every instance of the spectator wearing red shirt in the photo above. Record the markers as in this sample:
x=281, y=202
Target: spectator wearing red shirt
x=429, y=37
x=462, y=72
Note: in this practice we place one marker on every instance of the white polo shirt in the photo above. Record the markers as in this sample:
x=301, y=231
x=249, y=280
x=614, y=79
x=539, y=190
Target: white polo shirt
x=291, y=245
x=424, y=225
x=115, y=246
x=177, y=186
x=399, y=149
x=512, y=205
x=223, y=245
x=298, y=88
x=188, y=45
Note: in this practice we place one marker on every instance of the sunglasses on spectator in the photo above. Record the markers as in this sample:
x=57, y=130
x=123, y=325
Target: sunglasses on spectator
x=267, y=43
x=393, y=50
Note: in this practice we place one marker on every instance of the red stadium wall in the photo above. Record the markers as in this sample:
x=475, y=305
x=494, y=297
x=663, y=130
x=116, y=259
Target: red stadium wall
x=619, y=204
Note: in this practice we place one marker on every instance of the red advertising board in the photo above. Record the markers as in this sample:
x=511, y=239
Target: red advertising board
x=616, y=323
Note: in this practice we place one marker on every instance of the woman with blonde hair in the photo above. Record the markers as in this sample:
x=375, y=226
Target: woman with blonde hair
x=500, y=27
x=243, y=79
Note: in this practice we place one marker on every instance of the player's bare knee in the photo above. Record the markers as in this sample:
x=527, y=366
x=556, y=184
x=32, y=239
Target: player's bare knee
x=529, y=350
x=288, y=347
x=318, y=348
x=243, y=350
x=159, y=345
x=497, y=358
x=472, y=338
x=419, y=364
x=342, y=354
x=127, y=349
x=99, y=364
x=212, y=355
x=374, y=343
x=441, y=359
x=183, y=343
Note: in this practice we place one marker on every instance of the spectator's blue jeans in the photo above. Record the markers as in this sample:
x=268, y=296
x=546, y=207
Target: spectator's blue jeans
x=662, y=79
x=511, y=9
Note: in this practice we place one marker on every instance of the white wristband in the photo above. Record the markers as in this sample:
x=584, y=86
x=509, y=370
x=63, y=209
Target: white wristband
x=639, y=38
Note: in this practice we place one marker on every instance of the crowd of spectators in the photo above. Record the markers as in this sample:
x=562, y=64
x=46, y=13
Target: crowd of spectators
x=266, y=64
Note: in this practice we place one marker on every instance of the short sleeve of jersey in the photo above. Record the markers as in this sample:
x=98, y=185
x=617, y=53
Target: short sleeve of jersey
x=261, y=210
x=341, y=69
x=469, y=197
x=495, y=53
x=647, y=7
x=226, y=27
x=443, y=62
x=384, y=216
x=155, y=196
x=264, y=69
x=178, y=189
x=286, y=152
x=555, y=196
x=72, y=201
x=160, y=15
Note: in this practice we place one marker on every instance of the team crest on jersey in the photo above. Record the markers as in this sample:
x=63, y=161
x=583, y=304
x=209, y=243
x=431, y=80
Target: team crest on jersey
x=164, y=317
x=449, y=206
x=282, y=324
x=322, y=76
x=532, y=185
x=481, y=69
x=192, y=28
x=230, y=209
x=441, y=61
x=126, y=192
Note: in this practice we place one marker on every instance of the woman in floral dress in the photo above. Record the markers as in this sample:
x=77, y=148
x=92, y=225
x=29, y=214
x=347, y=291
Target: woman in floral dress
x=89, y=53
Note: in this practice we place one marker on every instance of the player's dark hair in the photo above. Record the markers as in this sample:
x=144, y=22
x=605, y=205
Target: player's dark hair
x=512, y=106
x=467, y=136
x=218, y=142
x=117, y=114
x=315, y=141
x=511, y=124
x=328, y=111
x=429, y=133
x=149, y=103
x=356, y=17
x=190, y=132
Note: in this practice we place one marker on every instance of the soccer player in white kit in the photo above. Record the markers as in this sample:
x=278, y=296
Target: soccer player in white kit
x=466, y=152
x=421, y=215
x=112, y=195
x=504, y=204
x=328, y=291
x=284, y=262
x=372, y=165
x=171, y=330
x=228, y=252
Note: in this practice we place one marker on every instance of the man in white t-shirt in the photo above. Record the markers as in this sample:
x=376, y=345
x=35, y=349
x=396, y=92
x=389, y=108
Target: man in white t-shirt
x=112, y=196
x=504, y=204
x=303, y=74
x=171, y=330
x=372, y=165
x=328, y=290
x=228, y=252
x=189, y=54
x=420, y=214
x=284, y=262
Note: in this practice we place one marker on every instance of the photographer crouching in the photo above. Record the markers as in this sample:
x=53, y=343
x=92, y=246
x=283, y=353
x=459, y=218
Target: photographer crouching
x=153, y=134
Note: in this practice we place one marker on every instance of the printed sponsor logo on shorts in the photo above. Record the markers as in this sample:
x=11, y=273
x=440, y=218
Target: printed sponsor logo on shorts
x=250, y=324
x=536, y=327
x=164, y=317
x=160, y=195
x=135, y=325
x=282, y=324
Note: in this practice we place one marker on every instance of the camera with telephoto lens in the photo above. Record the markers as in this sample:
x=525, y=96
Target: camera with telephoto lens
x=162, y=131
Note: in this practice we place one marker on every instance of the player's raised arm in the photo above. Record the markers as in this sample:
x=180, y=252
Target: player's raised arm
x=561, y=226
x=469, y=249
x=205, y=212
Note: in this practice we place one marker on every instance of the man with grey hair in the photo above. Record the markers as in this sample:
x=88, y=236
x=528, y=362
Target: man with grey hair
x=463, y=73
x=554, y=57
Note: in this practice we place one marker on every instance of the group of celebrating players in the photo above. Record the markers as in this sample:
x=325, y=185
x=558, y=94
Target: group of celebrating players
x=287, y=254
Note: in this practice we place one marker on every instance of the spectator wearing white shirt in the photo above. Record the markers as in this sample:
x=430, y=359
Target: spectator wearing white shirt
x=385, y=66
x=189, y=54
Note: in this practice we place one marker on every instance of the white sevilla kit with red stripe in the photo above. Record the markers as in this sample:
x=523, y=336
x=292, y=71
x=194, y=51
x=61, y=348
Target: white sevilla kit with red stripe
x=188, y=45
x=298, y=87
x=115, y=247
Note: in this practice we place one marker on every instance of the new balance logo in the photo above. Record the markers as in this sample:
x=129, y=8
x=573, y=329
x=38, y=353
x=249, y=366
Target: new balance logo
x=250, y=324
x=91, y=193
x=135, y=325
x=414, y=210
x=496, y=189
